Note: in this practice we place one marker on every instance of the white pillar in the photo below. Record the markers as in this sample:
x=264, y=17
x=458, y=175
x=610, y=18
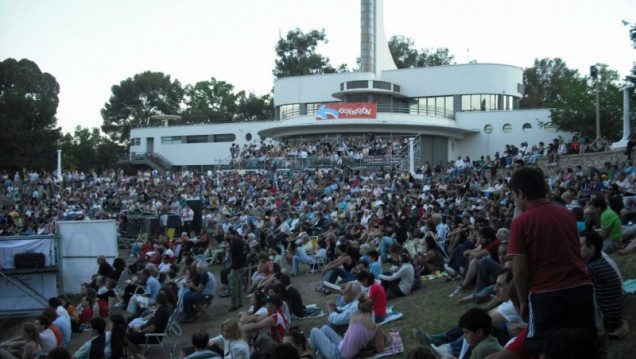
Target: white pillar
x=626, y=127
x=59, y=165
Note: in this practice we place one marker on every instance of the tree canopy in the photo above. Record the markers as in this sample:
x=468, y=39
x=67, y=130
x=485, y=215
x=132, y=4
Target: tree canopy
x=571, y=97
x=28, y=104
x=135, y=100
x=211, y=102
x=405, y=54
x=296, y=54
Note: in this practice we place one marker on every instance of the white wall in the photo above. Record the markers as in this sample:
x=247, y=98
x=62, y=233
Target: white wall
x=195, y=154
x=80, y=242
x=487, y=144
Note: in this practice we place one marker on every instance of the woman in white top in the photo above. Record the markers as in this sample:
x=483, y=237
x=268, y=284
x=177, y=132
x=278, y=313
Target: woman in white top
x=400, y=282
x=230, y=342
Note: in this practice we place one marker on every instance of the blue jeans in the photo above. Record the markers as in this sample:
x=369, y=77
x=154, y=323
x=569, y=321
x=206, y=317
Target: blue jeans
x=300, y=257
x=339, y=272
x=385, y=244
x=326, y=341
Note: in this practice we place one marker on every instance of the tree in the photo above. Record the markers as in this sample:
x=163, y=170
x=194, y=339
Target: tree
x=574, y=109
x=296, y=54
x=28, y=104
x=254, y=108
x=211, y=102
x=546, y=82
x=405, y=54
x=136, y=99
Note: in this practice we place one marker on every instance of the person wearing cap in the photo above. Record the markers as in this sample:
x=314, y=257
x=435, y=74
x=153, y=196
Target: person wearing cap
x=276, y=321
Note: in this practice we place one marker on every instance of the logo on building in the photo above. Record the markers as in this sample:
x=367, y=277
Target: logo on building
x=333, y=111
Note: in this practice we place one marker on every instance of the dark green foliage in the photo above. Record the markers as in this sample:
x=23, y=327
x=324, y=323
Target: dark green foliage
x=405, y=55
x=296, y=54
x=28, y=104
x=135, y=100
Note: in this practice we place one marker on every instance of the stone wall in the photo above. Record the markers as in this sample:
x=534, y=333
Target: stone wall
x=586, y=161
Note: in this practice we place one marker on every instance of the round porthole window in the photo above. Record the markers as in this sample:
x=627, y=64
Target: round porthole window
x=248, y=137
x=488, y=129
x=507, y=128
x=527, y=127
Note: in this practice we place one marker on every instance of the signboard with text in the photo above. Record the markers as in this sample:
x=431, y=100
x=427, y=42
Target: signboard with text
x=335, y=111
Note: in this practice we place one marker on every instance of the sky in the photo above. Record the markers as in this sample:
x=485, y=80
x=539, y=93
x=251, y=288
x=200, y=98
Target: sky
x=89, y=46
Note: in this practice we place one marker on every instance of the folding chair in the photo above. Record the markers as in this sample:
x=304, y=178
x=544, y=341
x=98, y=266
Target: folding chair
x=162, y=339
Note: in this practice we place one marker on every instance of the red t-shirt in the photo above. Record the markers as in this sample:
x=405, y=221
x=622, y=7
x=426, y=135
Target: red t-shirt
x=547, y=235
x=493, y=247
x=378, y=296
x=516, y=346
x=58, y=334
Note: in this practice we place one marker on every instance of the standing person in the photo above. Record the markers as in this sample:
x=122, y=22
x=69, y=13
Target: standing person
x=550, y=276
x=237, y=268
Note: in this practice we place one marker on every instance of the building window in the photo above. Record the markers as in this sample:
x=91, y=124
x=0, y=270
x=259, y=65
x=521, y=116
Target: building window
x=507, y=128
x=527, y=127
x=197, y=139
x=171, y=140
x=226, y=137
x=287, y=111
x=488, y=129
x=248, y=137
x=382, y=85
x=362, y=84
x=135, y=141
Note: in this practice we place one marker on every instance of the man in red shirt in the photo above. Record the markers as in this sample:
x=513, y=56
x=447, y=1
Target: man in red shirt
x=549, y=274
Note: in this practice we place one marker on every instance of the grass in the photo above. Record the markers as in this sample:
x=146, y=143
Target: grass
x=431, y=309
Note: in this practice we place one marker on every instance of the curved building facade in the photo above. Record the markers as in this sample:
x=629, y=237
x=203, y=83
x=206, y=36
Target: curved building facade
x=455, y=110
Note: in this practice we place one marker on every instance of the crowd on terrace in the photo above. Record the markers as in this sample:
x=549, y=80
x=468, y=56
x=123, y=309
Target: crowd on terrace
x=383, y=223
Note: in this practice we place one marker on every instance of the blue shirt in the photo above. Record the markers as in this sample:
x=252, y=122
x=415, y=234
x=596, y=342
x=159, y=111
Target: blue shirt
x=152, y=287
x=341, y=317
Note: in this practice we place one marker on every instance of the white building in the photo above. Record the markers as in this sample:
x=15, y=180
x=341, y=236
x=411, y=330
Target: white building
x=456, y=110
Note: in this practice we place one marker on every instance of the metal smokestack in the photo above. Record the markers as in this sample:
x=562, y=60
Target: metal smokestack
x=367, y=35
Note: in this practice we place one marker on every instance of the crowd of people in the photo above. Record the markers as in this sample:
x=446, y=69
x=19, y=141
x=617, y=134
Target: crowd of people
x=373, y=236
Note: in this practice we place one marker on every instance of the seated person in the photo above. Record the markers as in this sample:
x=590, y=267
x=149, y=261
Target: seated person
x=94, y=348
x=263, y=270
x=477, y=326
x=151, y=288
x=361, y=333
x=432, y=260
x=257, y=310
x=339, y=312
x=376, y=293
x=200, y=343
x=25, y=346
x=201, y=289
x=487, y=245
x=230, y=342
x=298, y=340
x=342, y=266
x=399, y=282
x=487, y=275
x=276, y=321
x=505, y=320
x=608, y=288
x=156, y=324
x=293, y=297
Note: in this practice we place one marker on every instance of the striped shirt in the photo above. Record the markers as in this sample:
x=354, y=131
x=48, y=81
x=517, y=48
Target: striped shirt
x=609, y=292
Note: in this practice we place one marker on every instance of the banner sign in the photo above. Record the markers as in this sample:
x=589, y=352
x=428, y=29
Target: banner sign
x=333, y=111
